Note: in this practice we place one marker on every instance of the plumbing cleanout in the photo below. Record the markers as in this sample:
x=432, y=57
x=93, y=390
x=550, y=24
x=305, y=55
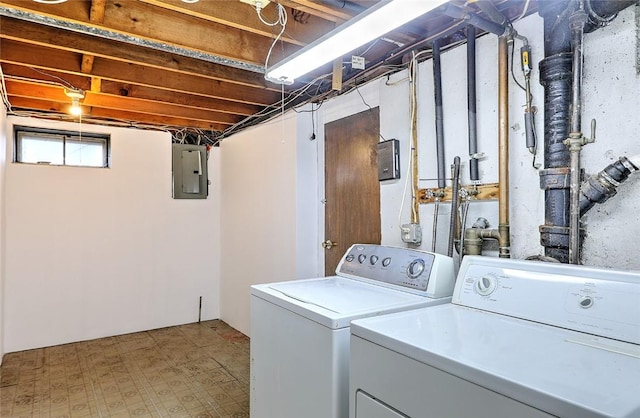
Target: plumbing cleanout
x=563, y=29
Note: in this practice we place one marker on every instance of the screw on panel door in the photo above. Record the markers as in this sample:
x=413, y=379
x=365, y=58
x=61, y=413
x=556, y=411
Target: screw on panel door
x=327, y=245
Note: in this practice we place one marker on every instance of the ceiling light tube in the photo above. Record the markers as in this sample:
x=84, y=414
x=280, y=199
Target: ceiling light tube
x=50, y=1
x=365, y=27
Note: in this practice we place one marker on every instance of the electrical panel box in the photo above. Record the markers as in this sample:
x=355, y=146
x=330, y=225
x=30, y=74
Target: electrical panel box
x=189, y=166
x=388, y=160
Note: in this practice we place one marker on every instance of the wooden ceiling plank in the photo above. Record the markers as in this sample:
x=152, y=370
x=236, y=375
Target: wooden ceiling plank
x=97, y=10
x=317, y=9
x=197, y=102
x=116, y=88
x=137, y=19
x=96, y=84
x=117, y=115
x=82, y=82
x=243, y=16
x=97, y=100
x=47, y=58
x=87, y=63
x=36, y=34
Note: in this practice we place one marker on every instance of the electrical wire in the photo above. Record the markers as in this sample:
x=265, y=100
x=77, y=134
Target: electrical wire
x=525, y=9
x=5, y=94
x=513, y=48
x=65, y=83
x=282, y=20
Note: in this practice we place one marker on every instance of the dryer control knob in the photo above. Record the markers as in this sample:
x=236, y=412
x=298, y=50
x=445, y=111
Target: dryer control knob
x=361, y=258
x=486, y=285
x=586, y=302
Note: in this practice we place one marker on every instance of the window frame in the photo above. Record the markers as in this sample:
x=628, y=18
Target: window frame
x=19, y=132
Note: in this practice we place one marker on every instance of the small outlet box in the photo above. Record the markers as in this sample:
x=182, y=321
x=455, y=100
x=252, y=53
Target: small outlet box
x=411, y=233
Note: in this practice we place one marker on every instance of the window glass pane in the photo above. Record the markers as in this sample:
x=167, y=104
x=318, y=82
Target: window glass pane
x=41, y=150
x=85, y=153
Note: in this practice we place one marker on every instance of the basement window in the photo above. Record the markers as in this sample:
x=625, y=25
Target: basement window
x=54, y=147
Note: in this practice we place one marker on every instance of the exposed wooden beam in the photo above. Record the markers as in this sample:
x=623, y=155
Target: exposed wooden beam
x=96, y=15
x=116, y=88
x=96, y=84
x=96, y=12
x=243, y=16
x=117, y=115
x=33, y=90
x=87, y=63
x=137, y=19
x=198, y=102
x=67, y=62
x=36, y=34
x=317, y=9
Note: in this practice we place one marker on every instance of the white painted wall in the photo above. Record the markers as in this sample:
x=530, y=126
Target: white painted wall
x=526, y=200
x=269, y=211
x=3, y=163
x=99, y=252
x=610, y=92
x=611, y=86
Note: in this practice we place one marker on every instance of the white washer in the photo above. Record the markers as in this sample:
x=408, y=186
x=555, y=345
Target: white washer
x=300, y=329
x=520, y=339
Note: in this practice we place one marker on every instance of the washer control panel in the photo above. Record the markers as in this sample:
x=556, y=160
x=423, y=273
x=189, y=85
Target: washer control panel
x=597, y=301
x=415, y=271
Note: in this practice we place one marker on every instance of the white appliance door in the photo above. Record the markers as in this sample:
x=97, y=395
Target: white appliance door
x=367, y=407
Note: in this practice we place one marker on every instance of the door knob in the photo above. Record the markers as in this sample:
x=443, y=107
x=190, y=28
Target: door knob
x=327, y=245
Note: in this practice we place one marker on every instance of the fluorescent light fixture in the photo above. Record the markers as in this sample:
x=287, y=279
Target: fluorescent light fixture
x=367, y=26
x=50, y=1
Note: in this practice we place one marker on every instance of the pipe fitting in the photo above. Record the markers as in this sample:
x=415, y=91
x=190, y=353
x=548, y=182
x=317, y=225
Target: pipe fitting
x=474, y=238
x=577, y=20
x=601, y=187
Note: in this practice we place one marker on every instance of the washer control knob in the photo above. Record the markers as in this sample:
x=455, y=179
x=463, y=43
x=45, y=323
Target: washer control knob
x=350, y=258
x=386, y=262
x=586, y=302
x=361, y=258
x=373, y=260
x=415, y=269
x=486, y=285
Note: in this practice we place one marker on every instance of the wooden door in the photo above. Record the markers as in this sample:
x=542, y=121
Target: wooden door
x=352, y=190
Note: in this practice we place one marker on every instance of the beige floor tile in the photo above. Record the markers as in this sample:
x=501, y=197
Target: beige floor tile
x=194, y=370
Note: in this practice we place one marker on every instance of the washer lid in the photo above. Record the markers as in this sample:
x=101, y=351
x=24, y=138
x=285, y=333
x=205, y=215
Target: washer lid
x=559, y=371
x=335, y=301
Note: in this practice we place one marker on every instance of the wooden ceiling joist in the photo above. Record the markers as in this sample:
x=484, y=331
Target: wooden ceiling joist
x=35, y=34
x=126, y=117
x=32, y=90
x=137, y=19
x=69, y=62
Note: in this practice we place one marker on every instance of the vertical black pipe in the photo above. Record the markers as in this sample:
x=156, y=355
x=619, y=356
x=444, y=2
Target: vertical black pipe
x=453, y=224
x=555, y=76
x=471, y=103
x=437, y=92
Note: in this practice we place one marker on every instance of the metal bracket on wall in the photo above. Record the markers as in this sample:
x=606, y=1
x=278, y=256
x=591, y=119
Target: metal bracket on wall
x=488, y=191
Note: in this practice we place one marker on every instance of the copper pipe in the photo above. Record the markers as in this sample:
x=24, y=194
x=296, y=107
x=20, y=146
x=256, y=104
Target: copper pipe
x=503, y=147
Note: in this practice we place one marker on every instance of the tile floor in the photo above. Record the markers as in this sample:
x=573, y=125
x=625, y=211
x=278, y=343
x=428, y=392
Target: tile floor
x=194, y=370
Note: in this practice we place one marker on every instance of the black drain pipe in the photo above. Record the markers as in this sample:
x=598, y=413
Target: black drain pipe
x=437, y=93
x=556, y=77
x=471, y=104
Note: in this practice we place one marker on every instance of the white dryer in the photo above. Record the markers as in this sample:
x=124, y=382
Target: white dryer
x=520, y=339
x=300, y=329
